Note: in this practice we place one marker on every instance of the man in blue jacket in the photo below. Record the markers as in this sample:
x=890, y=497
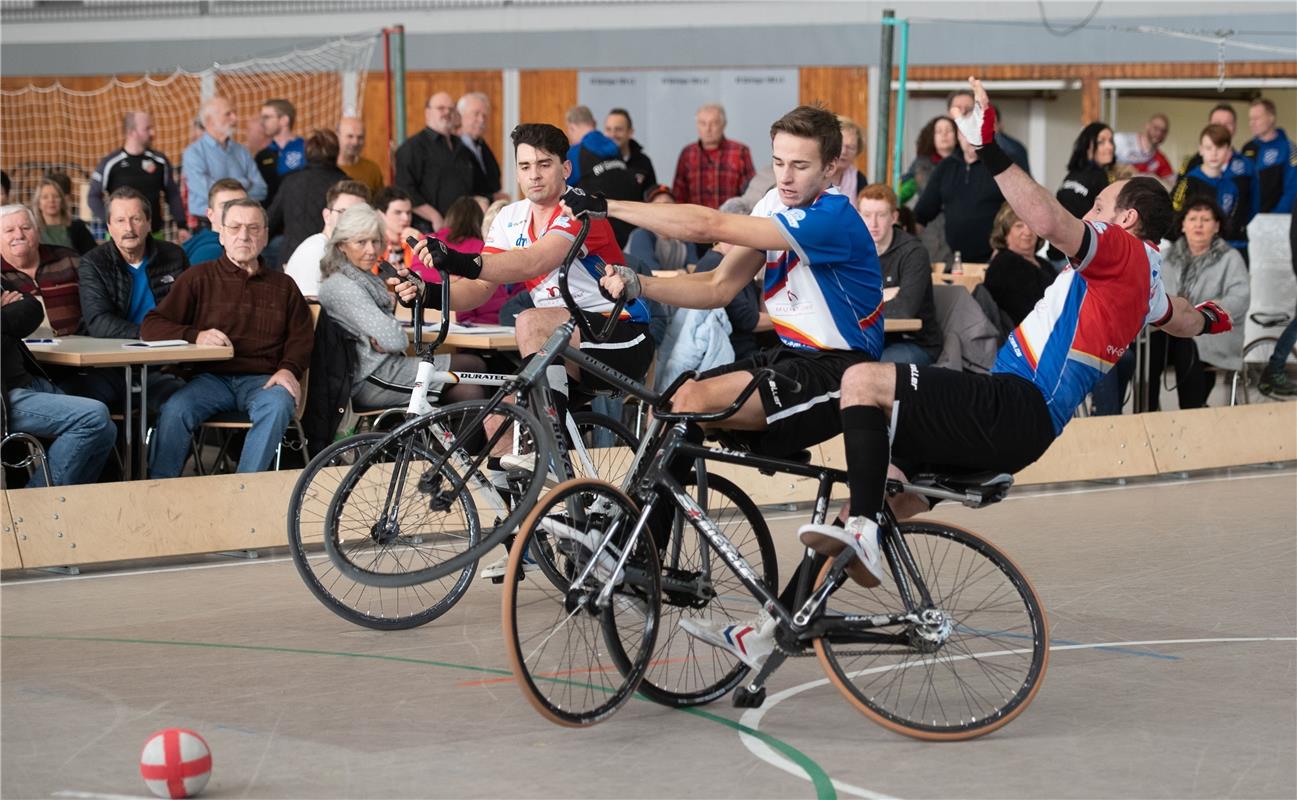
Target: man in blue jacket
x=598, y=166
x=1275, y=158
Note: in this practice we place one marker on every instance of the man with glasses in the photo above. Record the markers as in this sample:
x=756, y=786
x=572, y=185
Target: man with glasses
x=234, y=302
x=304, y=265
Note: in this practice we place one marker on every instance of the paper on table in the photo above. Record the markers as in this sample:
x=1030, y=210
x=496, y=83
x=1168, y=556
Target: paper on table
x=158, y=343
x=43, y=341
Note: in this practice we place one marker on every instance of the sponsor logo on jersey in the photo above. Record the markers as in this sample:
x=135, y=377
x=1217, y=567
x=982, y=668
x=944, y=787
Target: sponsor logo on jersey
x=793, y=216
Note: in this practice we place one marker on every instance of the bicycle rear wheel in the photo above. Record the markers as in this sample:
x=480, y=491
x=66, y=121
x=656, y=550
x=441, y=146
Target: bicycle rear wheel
x=560, y=636
x=607, y=443
x=971, y=672
x=1256, y=357
x=373, y=607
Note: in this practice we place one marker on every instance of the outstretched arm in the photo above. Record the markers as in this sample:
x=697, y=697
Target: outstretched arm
x=692, y=223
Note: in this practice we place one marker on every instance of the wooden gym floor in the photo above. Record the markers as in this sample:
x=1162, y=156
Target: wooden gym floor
x=1173, y=608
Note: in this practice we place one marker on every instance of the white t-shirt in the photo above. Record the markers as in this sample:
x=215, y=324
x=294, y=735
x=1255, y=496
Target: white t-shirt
x=304, y=265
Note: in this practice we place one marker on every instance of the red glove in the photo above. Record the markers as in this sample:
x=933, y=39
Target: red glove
x=1214, y=318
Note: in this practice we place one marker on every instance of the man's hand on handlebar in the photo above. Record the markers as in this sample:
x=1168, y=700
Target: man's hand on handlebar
x=435, y=254
x=619, y=279
x=585, y=204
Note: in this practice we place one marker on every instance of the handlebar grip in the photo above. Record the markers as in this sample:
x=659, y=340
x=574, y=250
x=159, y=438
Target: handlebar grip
x=786, y=380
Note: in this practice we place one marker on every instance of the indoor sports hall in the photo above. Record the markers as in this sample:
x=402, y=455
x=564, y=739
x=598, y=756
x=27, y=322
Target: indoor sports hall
x=415, y=398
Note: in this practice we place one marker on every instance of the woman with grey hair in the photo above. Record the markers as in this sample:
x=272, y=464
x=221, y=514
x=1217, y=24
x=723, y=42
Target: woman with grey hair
x=358, y=300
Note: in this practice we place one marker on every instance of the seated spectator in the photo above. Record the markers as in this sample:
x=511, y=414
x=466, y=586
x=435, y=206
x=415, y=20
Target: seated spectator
x=849, y=180
x=907, y=279
x=82, y=430
x=655, y=252
x=963, y=189
x=1200, y=265
x=54, y=219
x=465, y=227
x=1226, y=178
x=303, y=195
x=234, y=302
x=358, y=301
x=304, y=264
x=398, y=214
x=205, y=244
x=1089, y=169
x=1016, y=277
x=121, y=281
x=47, y=272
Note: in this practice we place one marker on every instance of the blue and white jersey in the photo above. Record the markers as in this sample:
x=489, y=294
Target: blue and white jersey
x=825, y=292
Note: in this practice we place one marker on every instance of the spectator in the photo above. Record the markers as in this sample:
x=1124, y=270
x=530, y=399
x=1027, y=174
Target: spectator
x=936, y=141
x=962, y=188
x=1275, y=158
x=434, y=167
x=216, y=155
x=712, y=169
x=396, y=208
x=1089, y=169
x=358, y=301
x=304, y=265
x=1226, y=179
x=907, y=279
x=205, y=244
x=137, y=165
x=254, y=137
x=960, y=102
x=597, y=166
x=475, y=111
x=296, y=211
x=121, y=280
x=48, y=272
x=236, y=303
x=351, y=142
x=463, y=231
x=655, y=252
x=1141, y=151
x=82, y=430
x=618, y=127
x=5, y=186
x=849, y=180
x=1200, y=265
x=284, y=153
x=1220, y=114
x=1016, y=277
x=54, y=217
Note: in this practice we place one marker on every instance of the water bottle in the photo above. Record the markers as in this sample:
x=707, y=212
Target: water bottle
x=957, y=265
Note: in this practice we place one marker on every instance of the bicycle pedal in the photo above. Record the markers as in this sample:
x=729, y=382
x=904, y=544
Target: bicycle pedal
x=743, y=698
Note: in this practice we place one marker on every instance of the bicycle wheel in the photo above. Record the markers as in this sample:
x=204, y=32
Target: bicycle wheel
x=372, y=607
x=421, y=488
x=560, y=637
x=608, y=445
x=1256, y=357
x=971, y=672
x=697, y=583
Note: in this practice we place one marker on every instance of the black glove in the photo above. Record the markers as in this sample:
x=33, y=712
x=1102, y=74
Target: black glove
x=453, y=261
x=583, y=204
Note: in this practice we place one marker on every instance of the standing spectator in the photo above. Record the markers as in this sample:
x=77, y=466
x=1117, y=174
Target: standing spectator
x=618, y=127
x=907, y=279
x=304, y=265
x=233, y=302
x=137, y=165
x=597, y=166
x=849, y=180
x=54, y=218
x=474, y=112
x=1141, y=151
x=1016, y=277
x=712, y=169
x=1089, y=169
x=397, y=210
x=121, y=280
x=82, y=430
x=351, y=141
x=936, y=142
x=964, y=190
x=960, y=102
x=1200, y=265
x=296, y=211
x=48, y=272
x=216, y=155
x=1275, y=158
x=1225, y=178
x=205, y=244
x=434, y=167
x=284, y=153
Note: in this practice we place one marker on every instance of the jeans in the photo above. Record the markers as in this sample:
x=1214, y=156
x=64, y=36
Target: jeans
x=269, y=410
x=906, y=353
x=1109, y=393
x=82, y=431
x=1283, y=349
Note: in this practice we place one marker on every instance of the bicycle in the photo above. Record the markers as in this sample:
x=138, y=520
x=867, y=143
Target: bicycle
x=1256, y=356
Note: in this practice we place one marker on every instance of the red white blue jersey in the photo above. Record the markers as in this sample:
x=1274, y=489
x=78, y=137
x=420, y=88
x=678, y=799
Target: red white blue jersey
x=1087, y=318
x=825, y=292
x=512, y=229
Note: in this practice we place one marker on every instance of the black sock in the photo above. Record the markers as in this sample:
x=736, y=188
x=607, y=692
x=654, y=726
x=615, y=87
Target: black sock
x=864, y=435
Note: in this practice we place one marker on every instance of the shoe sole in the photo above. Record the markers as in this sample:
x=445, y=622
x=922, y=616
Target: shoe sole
x=828, y=546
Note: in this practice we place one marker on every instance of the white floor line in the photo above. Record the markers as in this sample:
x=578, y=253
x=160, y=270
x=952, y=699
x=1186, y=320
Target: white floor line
x=99, y=795
x=752, y=717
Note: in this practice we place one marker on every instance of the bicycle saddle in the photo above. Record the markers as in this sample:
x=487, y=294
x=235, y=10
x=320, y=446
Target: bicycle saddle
x=1270, y=320
x=980, y=488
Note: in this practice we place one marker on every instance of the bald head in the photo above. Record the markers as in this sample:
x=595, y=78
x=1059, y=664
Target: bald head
x=438, y=112
x=351, y=139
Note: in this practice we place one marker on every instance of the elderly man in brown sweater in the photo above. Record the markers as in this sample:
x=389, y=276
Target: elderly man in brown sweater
x=234, y=301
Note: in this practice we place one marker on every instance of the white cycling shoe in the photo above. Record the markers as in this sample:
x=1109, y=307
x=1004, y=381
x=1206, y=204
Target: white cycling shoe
x=604, y=563
x=861, y=535
x=749, y=642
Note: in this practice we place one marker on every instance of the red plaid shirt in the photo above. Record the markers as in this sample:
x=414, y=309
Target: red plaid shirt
x=56, y=285
x=710, y=177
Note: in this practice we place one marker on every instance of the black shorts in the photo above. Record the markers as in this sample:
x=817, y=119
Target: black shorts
x=948, y=421
x=796, y=420
x=629, y=350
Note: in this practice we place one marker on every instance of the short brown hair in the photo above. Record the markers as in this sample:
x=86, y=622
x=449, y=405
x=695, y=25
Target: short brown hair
x=1218, y=134
x=245, y=202
x=353, y=188
x=283, y=108
x=128, y=193
x=813, y=122
x=224, y=185
x=879, y=192
x=322, y=146
x=1004, y=220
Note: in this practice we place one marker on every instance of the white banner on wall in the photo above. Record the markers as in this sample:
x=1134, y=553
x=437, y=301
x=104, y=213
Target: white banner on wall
x=662, y=105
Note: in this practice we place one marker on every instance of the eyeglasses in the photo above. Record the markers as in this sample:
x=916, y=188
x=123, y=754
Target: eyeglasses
x=252, y=229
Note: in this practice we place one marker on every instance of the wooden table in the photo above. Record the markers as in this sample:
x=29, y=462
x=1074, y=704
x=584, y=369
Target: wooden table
x=88, y=351
x=901, y=325
x=471, y=341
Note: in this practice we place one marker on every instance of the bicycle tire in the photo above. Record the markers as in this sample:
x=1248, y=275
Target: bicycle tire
x=579, y=689
x=429, y=438
x=1251, y=370
x=980, y=635
x=368, y=606
x=614, y=461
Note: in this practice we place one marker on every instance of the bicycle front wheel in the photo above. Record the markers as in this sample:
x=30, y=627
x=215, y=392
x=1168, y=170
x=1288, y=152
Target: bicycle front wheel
x=972, y=669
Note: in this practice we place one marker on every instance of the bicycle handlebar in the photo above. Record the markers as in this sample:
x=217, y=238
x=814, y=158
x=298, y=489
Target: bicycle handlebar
x=587, y=333
x=422, y=285
x=764, y=373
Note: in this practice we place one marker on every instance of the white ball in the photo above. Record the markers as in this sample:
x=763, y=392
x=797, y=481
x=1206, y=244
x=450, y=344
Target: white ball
x=175, y=763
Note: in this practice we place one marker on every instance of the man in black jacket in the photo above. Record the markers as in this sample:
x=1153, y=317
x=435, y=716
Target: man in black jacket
x=81, y=428
x=120, y=281
x=296, y=209
x=618, y=127
x=474, y=113
x=433, y=166
x=964, y=189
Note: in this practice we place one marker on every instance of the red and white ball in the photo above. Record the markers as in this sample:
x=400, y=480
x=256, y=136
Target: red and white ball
x=175, y=763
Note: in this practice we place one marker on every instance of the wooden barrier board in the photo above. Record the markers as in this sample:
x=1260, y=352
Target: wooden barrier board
x=1206, y=438
x=1094, y=448
x=10, y=553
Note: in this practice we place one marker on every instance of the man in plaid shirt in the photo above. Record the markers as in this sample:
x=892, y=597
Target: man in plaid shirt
x=712, y=169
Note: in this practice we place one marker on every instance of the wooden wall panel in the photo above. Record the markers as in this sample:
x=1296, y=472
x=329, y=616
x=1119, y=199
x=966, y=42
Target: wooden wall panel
x=10, y=553
x=844, y=90
x=546, y=95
